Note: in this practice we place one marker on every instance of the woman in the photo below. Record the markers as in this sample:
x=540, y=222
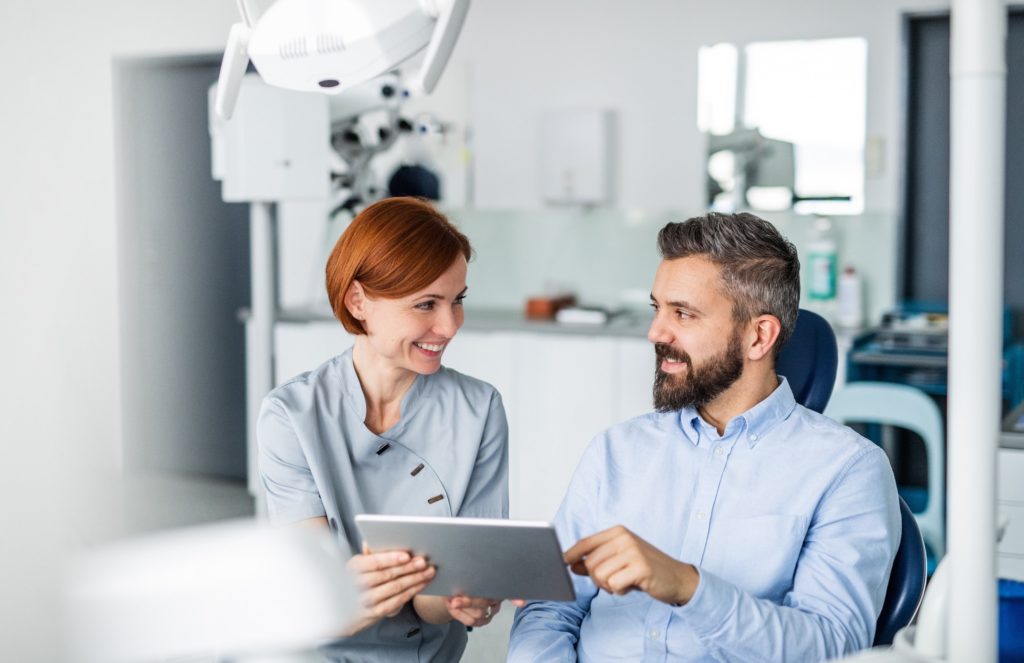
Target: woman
x=384, y=428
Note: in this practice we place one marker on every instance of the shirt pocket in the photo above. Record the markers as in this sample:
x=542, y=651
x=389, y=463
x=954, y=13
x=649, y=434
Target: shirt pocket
x=757, y=554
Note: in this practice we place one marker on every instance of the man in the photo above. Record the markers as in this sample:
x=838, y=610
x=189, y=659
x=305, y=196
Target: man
x=732, y=524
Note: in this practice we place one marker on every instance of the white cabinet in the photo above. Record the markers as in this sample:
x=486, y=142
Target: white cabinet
x=566, y=396
x=559, y=391
x=1011, y=504
x=634, y=378
x=302, y=346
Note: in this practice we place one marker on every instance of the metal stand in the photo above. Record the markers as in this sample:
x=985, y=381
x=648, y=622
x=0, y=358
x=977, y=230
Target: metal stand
x=259, y=333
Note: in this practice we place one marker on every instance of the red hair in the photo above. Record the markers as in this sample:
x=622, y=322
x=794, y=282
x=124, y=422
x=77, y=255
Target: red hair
x=394, y=247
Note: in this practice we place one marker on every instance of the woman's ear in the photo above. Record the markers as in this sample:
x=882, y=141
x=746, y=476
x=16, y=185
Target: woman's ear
x=766, y=328
x=355, y=300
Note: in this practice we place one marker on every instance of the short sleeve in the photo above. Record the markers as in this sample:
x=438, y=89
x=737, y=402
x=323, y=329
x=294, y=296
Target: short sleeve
x=292, y=494
x=487, y=493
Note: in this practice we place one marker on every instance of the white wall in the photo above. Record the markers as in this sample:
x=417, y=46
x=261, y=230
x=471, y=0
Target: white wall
x=640, y=59
x=58, y=281
x=58, y=276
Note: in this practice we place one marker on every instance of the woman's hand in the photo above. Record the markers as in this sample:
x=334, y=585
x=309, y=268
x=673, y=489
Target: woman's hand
x=472, y=611
x=388, y=581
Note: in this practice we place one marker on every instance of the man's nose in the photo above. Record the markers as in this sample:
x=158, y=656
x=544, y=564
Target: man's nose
x=658, y=332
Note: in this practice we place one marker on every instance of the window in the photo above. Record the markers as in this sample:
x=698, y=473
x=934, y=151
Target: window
x=792, y=110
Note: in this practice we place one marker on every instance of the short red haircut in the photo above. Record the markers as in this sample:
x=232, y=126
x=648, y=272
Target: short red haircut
x=394, y=247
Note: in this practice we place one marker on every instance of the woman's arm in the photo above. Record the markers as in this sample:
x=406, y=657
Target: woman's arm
x=431, y=609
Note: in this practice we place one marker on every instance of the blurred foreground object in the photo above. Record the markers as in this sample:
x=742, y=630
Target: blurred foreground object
x=237, y=588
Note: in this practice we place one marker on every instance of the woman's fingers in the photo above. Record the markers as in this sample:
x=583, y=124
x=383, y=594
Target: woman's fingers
x=400, y=586
x=376, y=561
x=473, y=611
x=370, y=579
x=392, y=606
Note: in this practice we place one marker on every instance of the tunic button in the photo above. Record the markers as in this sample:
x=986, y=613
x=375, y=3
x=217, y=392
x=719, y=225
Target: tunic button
x=416, y=470
x=384, y=448
x=435, y=498
x=412, y=633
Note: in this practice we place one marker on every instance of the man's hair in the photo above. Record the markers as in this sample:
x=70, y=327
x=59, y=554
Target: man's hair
x=760, y=267
x=393, y=248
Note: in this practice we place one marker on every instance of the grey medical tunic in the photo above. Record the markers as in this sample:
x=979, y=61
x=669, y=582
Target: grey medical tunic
x=446, y=456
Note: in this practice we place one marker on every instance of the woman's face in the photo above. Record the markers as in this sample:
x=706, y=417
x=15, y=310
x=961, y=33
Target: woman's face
x=412, y=332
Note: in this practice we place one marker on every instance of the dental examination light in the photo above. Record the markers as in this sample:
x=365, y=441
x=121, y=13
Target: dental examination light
x=333, y=45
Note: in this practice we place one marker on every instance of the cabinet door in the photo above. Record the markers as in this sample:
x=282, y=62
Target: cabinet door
x=566, y=386
x=488, y=356
x=1011, y=505
x=634, y=378
x=301, y=347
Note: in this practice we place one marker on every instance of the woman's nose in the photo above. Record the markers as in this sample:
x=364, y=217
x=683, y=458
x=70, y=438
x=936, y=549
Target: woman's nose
x=447, y=323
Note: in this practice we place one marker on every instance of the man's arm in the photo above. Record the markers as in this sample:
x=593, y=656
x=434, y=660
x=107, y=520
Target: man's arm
x=838, y=586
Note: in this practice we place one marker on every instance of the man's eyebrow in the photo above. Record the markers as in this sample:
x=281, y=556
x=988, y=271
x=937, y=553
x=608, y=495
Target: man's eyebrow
x=679, y=304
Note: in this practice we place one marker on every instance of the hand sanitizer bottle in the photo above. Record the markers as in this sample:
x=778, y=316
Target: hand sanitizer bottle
x=821, y=262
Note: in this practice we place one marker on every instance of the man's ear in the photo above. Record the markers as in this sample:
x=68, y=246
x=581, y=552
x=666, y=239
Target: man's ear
x=355, y=300
x=766, y=330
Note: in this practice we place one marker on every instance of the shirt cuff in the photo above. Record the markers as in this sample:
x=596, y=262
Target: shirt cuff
x=710, y=606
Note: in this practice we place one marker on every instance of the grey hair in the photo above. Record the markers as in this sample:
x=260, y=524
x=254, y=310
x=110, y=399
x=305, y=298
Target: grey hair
x=760, y=267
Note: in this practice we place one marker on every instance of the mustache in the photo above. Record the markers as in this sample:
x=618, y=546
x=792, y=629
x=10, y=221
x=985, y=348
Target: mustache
x=666, y=351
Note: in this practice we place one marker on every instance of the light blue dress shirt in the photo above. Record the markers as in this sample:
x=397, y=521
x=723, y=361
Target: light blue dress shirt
x=446, y=456
x=791, y=519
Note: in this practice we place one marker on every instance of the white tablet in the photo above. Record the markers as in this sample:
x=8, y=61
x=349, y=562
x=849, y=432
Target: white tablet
x=480, y=557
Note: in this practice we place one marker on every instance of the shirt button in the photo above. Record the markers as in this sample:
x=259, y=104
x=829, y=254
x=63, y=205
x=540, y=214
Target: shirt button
x=654, y=634
x=700, y=515
x=718, y=451
x=753, y=436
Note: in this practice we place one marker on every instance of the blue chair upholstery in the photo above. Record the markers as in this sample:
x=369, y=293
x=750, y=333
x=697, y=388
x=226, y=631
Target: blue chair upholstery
x=809, y=361
x=906, y=583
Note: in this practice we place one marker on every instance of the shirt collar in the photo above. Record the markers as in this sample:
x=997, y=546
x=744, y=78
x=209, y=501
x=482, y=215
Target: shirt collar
x=757, y=421
x=357, y=399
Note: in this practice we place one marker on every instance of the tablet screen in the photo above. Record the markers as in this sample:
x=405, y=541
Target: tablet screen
x=479, y=557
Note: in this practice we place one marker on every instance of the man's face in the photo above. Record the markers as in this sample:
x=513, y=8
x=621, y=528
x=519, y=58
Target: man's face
x=698, y=347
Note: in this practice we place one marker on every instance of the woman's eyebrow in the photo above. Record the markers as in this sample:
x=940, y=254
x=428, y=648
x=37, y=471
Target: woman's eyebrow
x=433, y=296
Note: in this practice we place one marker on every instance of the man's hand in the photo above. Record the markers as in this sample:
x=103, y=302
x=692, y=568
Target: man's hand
x=619, y=561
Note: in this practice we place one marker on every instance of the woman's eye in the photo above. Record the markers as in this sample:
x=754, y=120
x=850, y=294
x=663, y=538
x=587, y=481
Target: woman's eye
x=459, y=300
x=426, y=306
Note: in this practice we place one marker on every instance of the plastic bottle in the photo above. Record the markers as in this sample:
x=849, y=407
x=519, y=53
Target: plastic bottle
x=822, y=255
x=851, y=301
